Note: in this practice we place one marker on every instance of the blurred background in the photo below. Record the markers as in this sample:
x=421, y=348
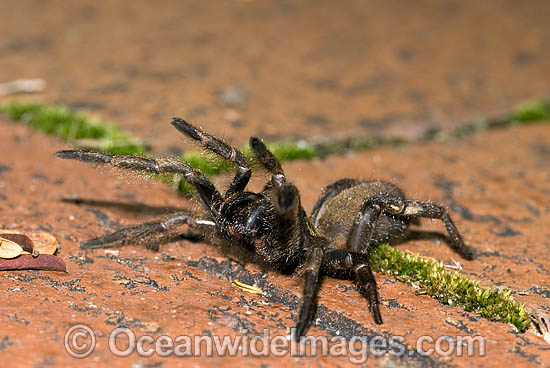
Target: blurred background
x=283, y=70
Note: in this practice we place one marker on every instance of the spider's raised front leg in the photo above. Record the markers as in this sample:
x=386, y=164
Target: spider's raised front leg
x=285, y=196
x=222, y=149
x=269, y=161
x=209, y=195
x=151, y=234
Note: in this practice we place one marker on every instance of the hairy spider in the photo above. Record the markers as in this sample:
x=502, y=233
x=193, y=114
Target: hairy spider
x=350, y=218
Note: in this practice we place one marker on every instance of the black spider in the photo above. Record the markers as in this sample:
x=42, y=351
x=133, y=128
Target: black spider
x=349, y=219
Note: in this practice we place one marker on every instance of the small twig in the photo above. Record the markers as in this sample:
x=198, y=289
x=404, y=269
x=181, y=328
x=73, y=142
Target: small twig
x=247, y=288
x=22, y=86
x=455, y=266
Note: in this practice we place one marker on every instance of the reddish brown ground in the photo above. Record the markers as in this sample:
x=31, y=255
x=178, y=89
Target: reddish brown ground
x=316, y=69
x=498, y=182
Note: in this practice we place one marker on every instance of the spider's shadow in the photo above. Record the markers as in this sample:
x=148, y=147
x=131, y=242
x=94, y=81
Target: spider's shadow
x=139, y=210
x=430, y=235
x=426, y=235
x=133, y=209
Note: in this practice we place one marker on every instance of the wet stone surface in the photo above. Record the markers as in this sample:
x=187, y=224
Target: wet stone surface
x=496, y=185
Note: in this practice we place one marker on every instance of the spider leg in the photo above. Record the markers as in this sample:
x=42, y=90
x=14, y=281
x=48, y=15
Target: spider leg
x=268, y=160
x=286, y=197
x=286, y=200
x=366, y=219
x=367, y=284
x=354, y=258
x=314, y=260
x=429, y=210
x=222, y=149
x=151, y=234
x=210, y=196
x=358, y=264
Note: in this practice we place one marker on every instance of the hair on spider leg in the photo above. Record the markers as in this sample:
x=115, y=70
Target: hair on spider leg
x=350, y=218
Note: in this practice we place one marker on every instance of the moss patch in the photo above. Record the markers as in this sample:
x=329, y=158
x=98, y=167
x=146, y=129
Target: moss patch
x=529, y=112
x=85, y=131
x=76, y=127
x=450, y=287
x=532, y=111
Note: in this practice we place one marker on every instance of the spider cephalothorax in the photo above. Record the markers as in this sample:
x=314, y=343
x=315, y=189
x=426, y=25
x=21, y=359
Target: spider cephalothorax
x=349, y=219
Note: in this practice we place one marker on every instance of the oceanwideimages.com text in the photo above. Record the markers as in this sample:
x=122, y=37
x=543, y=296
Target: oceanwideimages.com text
x=80, y=342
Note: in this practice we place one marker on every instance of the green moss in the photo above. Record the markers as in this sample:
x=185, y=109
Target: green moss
x=86, y=131
x=450, y=287
x=79, y=128
x=532, y=111
x=290, y=151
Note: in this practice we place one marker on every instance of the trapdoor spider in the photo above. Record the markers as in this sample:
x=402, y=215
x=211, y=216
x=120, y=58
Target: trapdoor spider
x=350, y=218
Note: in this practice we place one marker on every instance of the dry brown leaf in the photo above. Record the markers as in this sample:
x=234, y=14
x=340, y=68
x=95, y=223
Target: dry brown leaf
x=9, y=249
x=41, y=242
x=44, y=243
x=23, y=240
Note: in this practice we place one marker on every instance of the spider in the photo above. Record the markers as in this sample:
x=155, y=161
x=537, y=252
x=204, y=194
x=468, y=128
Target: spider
x=350, y=218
